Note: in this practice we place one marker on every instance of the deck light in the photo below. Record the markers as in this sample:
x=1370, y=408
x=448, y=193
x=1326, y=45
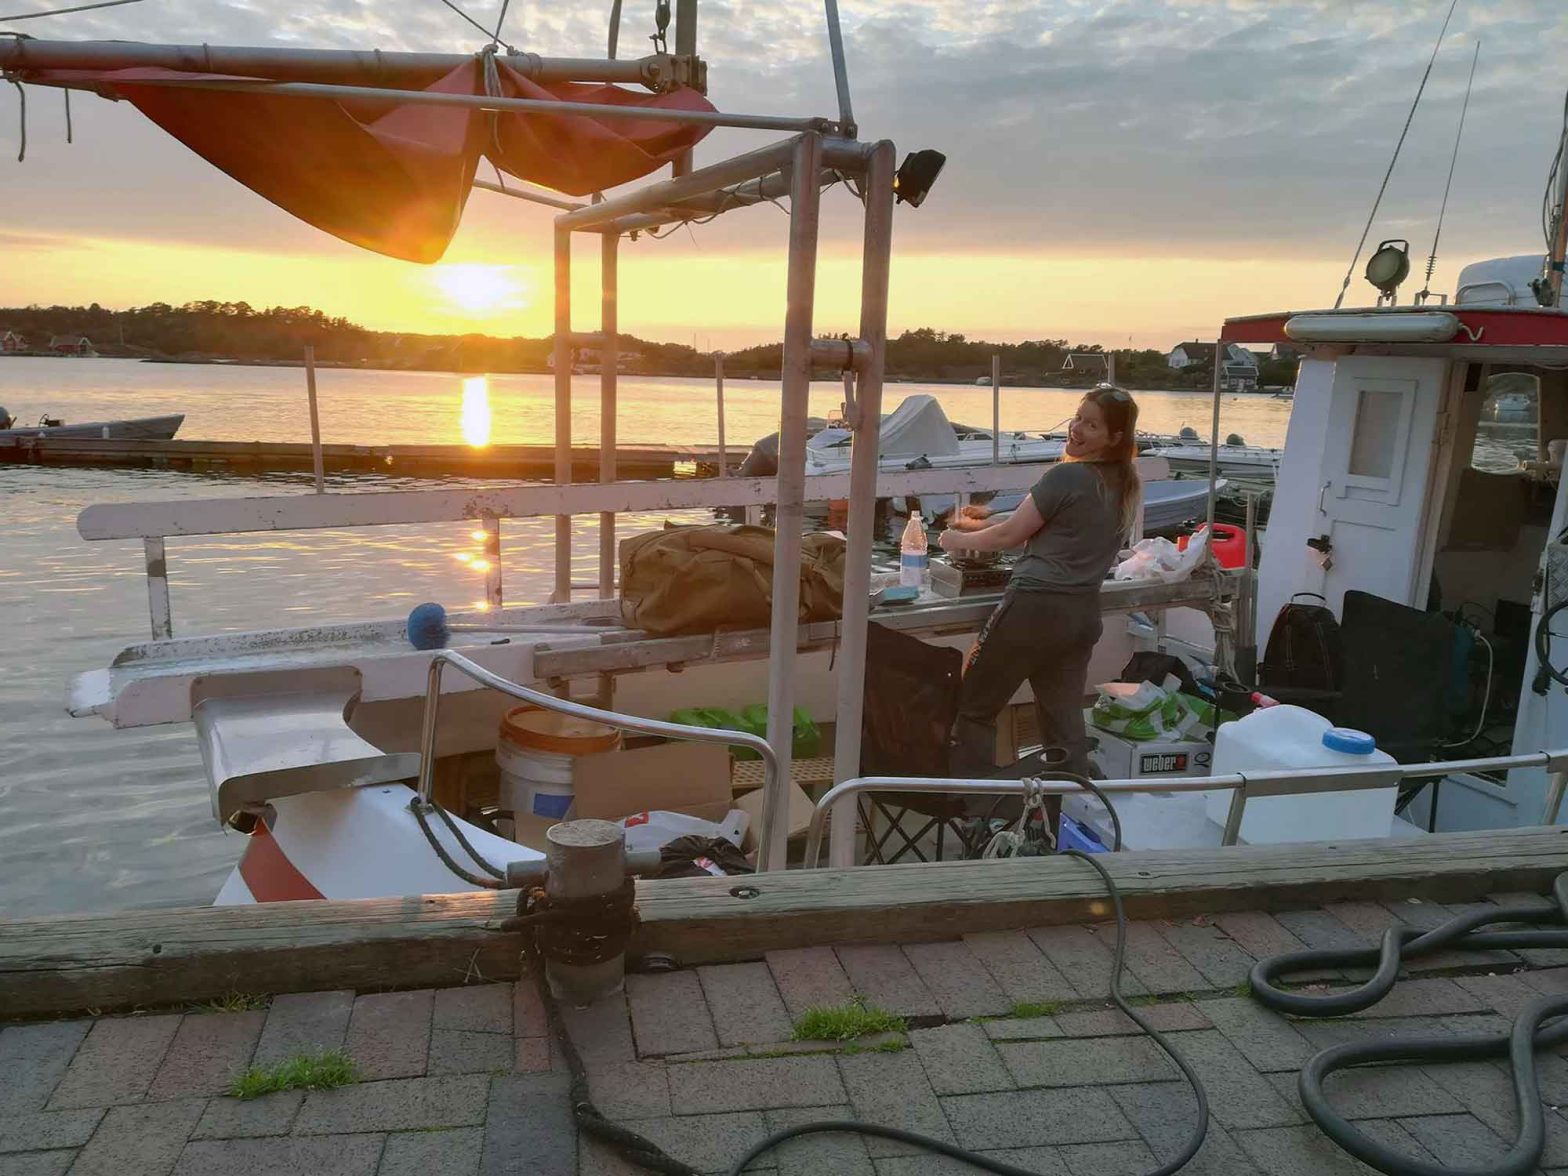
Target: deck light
x=1387, y=267
x=916, y=175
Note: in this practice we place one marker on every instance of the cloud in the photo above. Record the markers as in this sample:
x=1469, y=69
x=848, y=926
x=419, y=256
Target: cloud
x=1139, y=131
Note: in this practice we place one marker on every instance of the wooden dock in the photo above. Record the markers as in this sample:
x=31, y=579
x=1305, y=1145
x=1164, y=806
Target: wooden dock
x=151, y=958
x=414, y=461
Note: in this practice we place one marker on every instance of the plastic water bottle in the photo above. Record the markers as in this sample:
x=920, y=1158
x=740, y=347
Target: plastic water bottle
x=914, y=561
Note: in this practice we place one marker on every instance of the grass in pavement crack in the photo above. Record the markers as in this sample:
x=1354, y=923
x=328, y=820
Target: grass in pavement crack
x=317, y=1071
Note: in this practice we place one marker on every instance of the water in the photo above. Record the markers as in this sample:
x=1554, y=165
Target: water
x=94, y=819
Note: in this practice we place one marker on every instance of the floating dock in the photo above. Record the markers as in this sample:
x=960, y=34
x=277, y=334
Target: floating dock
x=415, y=461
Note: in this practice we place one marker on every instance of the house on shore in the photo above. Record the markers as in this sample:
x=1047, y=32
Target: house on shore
x=1239, y=367
x=77, y=345
x=1090, y=363
x=11, y=343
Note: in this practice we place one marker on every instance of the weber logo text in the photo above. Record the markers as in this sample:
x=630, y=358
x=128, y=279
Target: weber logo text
x=1168, y=761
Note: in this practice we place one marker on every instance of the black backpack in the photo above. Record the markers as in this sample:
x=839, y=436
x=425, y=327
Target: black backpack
x=1304, y=661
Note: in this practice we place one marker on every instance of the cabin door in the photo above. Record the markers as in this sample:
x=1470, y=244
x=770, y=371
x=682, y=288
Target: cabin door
x=1374, y=476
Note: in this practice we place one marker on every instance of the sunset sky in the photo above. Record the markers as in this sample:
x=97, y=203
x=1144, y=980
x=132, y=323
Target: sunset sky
x=1119, y=170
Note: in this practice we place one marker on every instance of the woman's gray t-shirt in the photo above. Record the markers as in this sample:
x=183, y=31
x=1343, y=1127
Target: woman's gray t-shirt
x=1072, y=552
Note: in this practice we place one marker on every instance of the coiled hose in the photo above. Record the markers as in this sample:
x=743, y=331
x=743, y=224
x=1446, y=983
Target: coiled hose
x=1533, y=1029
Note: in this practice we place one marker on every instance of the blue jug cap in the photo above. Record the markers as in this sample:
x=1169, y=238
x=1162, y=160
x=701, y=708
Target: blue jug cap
x=1346, y=740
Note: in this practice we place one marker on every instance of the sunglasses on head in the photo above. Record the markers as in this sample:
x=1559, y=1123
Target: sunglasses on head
x=1112, y=391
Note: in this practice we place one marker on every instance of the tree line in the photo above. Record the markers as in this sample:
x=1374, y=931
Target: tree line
x=237, y=332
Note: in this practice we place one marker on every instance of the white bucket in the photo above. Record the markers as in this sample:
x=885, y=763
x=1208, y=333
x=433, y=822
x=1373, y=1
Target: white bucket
x=537, y=754
x=535, y=783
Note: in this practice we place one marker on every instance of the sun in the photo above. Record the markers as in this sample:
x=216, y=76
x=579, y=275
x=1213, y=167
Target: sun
x=481, y=289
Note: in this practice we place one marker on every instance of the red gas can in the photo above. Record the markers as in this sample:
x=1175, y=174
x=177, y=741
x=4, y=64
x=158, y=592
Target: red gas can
x=1230, y=544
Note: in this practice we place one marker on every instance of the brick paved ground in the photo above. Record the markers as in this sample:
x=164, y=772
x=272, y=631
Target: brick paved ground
x=465, y=1081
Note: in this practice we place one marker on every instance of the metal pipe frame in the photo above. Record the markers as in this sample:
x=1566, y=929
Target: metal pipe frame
x=25, y=54
x=531, y=196
x=563, y=408
x=1270, y=783
x=531, y=106
x=621, y=722
x=609, y=365
x=789, y=513
x=846, y=116
x=843, y=157
x=655, y=197
x=863, y=469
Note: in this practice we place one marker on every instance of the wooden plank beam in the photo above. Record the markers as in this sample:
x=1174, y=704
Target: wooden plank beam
x=163, y=957
x=301, y=512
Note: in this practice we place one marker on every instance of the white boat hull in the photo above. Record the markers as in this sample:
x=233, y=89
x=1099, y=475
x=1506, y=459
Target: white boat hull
x=159, y=428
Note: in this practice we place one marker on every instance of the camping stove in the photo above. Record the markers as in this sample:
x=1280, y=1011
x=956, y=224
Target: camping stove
x=966, y=576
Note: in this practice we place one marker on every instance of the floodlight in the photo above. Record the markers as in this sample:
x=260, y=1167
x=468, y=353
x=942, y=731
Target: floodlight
x=1388, y=267
x=916, y=175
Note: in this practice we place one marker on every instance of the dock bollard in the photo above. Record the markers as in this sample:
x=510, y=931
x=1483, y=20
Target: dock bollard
x=583, y=860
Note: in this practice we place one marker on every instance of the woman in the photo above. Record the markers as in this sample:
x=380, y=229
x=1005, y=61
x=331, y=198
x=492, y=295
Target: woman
x=1071, y=525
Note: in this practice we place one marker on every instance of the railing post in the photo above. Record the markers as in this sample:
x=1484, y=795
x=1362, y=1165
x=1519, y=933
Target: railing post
x=861, y=524
x=158, y=589
x=563, y=409
x=1555, y=787
x=316, y=460
x=1233, y=815
x=718, y=381
x=789, y=516
x=609, y=365
x=492, y=530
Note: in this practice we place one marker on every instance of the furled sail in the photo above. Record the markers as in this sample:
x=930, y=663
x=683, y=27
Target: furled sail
x=394, y=179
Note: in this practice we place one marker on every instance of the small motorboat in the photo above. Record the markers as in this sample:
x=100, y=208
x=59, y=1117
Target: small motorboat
x=1191, y=453
x=918, y=435
x=1167, y=504
x=158, y=428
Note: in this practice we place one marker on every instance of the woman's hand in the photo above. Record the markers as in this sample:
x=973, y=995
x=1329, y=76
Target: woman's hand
x=971, y=518
x=954, y=540
x=974, y=511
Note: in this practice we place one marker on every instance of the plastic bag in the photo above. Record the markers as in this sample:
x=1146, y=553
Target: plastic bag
x=656, y=828
x=1142, y=711
x=1160, y=559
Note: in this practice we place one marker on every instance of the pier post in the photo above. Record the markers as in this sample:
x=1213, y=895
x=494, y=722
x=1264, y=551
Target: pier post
x=316, y=460
x=609, y=365
x=584, y=859
x=563, y=409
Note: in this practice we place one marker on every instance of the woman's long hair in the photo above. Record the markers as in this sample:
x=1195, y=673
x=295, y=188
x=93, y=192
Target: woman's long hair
x=1121, y=416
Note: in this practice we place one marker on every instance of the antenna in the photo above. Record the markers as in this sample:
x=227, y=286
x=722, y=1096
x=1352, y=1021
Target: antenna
x=1421, y=89
x=1431, y=261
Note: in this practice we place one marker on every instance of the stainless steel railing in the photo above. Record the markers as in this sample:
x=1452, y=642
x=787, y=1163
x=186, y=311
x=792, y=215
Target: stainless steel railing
x=1242, y=784
x=622, y=722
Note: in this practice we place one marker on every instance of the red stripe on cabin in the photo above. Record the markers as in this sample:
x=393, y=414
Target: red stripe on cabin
x=1519, y=327
x=269, y=873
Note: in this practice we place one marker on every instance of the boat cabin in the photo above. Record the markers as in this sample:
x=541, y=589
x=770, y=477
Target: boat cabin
x=1401, y=479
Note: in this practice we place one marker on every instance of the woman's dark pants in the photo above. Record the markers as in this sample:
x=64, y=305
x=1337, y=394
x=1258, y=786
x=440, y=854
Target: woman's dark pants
x=1044, y=638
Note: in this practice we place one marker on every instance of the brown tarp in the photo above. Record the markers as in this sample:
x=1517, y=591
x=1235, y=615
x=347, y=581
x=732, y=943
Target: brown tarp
x=394, y=179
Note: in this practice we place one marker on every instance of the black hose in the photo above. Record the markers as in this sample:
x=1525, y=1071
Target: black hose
x=497, y=880
x=1529, y=1032
x=1543, y=650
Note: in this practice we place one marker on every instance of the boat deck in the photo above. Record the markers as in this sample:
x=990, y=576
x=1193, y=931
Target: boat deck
x=1009, y=1049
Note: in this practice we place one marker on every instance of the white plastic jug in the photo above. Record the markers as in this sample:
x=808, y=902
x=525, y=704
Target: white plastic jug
x=1290, y=738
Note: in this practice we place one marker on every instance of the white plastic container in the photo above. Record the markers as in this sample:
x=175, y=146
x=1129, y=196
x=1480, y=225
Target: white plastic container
x=1290, y=738
x=537, y=753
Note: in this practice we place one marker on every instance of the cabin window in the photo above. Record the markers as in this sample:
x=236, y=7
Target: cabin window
x=1374, y=444
x=1508, y=428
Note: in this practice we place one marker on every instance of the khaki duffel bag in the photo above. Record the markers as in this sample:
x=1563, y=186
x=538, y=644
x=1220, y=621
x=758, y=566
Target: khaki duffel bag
x=696, y=579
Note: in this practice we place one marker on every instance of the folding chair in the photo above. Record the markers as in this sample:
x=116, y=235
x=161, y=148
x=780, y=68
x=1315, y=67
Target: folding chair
x=910, y=701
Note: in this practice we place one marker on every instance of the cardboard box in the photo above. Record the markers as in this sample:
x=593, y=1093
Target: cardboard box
x=690, y=778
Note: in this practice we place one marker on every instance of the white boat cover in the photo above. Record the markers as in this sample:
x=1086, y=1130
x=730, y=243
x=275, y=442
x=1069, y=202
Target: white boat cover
x=918, y=427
